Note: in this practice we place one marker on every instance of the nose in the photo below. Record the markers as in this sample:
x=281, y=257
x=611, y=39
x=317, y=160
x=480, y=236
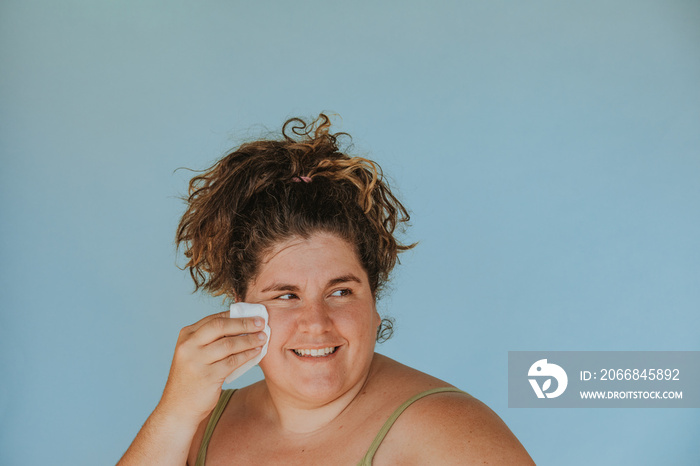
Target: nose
x=314, y=317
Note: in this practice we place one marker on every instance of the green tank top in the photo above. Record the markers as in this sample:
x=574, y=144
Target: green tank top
x=366, y=460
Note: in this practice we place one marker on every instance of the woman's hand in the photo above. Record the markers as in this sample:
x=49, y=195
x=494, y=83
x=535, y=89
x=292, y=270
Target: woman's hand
x=206, y=353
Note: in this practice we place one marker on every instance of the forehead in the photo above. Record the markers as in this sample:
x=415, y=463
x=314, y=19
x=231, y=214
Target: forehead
x=320, y=254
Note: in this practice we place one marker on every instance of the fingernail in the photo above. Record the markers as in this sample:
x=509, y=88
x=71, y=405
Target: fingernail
x=258, y=322
x=261, y=336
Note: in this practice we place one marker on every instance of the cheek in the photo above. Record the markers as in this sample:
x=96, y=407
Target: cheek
x=352, y=325
x=280, y=326
x=375, y=320
x=279, y=333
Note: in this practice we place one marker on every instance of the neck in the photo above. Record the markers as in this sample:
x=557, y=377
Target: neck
x=297, y=415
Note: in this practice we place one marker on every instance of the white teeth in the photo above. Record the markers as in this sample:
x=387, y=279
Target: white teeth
x=315, y=353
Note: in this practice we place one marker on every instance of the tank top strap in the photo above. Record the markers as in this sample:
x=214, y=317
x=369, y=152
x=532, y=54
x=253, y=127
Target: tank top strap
x=213, y=420
x=367, y=460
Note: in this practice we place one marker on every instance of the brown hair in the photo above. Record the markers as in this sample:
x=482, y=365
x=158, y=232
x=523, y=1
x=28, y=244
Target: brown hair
x=268, y=191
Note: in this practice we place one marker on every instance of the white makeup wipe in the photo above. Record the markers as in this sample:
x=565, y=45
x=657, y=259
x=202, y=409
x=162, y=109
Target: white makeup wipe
x=239, y=310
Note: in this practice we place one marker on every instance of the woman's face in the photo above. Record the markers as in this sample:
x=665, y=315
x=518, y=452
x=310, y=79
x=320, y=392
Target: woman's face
x=322, y=316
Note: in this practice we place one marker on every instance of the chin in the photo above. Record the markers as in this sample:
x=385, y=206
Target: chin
x=319, y=393
x=317, y=386
x=313, y=387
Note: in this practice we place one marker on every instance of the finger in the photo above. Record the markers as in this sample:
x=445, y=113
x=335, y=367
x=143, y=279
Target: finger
x=227, y=346
x=220, y=327
x=196, y=326
x=227, y=365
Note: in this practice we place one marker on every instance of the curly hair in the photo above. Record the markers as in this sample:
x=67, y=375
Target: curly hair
x=268, y=191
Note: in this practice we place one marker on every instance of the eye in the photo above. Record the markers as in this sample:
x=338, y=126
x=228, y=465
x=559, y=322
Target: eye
x=287, y=296
x=343, y=292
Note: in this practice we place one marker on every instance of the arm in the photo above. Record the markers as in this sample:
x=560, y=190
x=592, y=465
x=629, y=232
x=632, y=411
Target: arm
x=453, y=428
x=161, y=440
x=206, y=353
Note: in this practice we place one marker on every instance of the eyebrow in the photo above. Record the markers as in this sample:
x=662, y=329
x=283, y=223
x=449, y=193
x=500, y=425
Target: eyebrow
x=280, y=287
x=344, y=279
x=332, y=282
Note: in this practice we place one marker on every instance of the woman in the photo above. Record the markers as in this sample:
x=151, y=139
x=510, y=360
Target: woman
x=308, y=232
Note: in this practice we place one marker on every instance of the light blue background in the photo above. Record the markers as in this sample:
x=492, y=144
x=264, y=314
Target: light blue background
x=549, y=152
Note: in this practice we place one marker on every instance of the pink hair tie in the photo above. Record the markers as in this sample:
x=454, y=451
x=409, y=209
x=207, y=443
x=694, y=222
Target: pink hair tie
x=305, y=179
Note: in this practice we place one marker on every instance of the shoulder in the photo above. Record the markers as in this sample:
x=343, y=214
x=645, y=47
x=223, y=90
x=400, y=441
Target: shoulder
x=197, y=442
x=201, y=430
x=446, y=427
x=454, y=428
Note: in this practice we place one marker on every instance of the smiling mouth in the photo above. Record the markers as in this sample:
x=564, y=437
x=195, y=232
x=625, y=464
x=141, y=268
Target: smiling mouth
x=315, y=353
